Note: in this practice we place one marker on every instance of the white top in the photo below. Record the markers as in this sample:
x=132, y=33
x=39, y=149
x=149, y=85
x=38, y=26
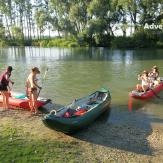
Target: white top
x=144, y=82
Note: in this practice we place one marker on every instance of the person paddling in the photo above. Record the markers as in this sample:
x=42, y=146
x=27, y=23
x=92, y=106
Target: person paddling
x=145, y=82
x=153, y=76
x=4, y=86
x=32, y=89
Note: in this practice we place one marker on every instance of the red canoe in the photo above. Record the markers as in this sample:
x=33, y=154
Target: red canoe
x=21, y=101
x=151, y=93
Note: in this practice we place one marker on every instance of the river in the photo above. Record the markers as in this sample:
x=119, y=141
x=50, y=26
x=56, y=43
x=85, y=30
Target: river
x=74, y=73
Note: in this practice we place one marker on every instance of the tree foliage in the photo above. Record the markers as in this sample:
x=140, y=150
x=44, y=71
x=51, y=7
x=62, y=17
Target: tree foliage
x=94, y=21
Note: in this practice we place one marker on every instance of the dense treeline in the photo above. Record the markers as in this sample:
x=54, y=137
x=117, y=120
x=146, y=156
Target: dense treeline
x=81, y=22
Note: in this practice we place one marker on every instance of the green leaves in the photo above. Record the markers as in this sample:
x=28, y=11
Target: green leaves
x=17, y=33
x=90, y=19
x=98, y=8
x=41, y=18
x=2, y=31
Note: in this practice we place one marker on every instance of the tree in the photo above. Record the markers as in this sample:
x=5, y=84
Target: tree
x=2, y=31
x=17, y=33
x=5, y=10
x=78, y=16
x=20, y=5
x=41, y=20
x=150, y=11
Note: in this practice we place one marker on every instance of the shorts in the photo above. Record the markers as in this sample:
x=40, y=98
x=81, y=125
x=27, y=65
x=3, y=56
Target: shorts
x=33, y=89
x=29, y=91
x=3, y=87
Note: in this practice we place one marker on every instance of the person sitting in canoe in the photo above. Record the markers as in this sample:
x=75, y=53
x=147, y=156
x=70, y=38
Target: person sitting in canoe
x=144, y=86
x=31, y=89
x=153, y=76
x=4, y=86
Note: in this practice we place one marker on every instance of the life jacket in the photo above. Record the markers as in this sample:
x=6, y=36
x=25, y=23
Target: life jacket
x=71, y=112
x=3, y=80
x=80, y=112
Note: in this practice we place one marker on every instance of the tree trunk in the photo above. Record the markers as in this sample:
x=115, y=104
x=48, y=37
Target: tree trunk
x=111, y=31
x=49, y=31
x=30, y=28
x=8, y=28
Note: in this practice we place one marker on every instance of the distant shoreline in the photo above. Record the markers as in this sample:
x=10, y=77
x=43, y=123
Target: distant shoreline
x=139, y=41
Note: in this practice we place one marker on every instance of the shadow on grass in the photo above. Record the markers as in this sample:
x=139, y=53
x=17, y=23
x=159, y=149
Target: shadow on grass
x=123, y=130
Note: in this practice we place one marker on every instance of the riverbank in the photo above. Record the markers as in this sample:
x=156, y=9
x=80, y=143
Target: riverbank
x=24, y=138
x=140, y=39
x=117, y=43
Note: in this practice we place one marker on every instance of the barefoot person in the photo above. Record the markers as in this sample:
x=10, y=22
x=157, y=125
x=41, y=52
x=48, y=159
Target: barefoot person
x=32, y=89
x=4, y=86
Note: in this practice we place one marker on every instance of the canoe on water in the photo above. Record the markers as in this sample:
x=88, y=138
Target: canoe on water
x=79, y=113
x=149, y=94
x=19, y=100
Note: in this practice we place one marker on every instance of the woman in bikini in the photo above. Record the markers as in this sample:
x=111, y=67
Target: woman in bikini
x=32, y=89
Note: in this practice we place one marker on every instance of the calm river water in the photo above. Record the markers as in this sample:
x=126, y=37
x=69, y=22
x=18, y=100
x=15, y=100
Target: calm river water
x=77, y=72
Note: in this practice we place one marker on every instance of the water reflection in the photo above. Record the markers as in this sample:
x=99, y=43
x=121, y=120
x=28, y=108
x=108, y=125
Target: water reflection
x=84, y=54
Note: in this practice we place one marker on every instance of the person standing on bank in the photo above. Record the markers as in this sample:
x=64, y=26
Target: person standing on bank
x=4, y=86
x=32, y=89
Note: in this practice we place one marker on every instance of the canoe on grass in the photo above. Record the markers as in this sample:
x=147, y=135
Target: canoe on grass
x=19, y=100
x=149, y=94
x=79, y=113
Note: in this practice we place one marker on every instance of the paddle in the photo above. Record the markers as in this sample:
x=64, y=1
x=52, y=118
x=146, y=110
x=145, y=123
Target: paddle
x=155, y=94
x=43, y=81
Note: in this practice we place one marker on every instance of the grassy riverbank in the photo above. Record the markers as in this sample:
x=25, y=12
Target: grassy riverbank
x=30, y=141
x=116, y=43
x=18, y=145
x=140, y=39
x=23, y=138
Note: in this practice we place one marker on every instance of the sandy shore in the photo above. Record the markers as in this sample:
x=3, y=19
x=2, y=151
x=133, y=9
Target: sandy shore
x=124, y=137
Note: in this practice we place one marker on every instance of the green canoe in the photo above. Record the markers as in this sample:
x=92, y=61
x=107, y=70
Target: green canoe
x=79, y=113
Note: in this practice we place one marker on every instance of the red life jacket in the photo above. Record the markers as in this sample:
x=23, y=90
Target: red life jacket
x=3, y=79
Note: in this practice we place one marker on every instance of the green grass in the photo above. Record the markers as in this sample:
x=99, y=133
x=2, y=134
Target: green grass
x=160, y=44
x=3, y=43
x=19, y=146
x=56, y=42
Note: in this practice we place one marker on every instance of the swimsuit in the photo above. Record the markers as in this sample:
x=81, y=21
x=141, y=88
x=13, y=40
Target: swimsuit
x=4, y=81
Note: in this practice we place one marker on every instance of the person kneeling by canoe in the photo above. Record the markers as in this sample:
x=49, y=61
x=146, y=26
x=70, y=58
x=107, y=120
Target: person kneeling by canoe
x=31, y=89
x=4, y=86
x=145, y=82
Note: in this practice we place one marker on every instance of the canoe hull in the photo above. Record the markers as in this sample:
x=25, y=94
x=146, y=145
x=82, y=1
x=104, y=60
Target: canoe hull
x=149, y=94
x=73, y=124
x=23, y=102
